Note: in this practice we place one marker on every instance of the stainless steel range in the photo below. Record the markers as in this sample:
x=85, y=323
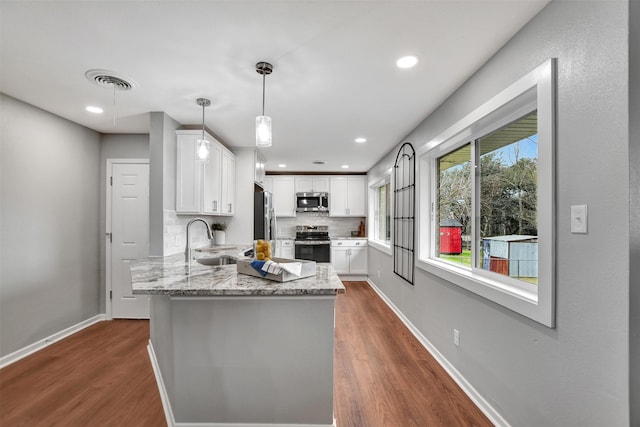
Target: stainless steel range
x=312, y=243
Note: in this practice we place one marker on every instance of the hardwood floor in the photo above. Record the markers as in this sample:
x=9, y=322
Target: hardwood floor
x=102, y=376
x=384, y=377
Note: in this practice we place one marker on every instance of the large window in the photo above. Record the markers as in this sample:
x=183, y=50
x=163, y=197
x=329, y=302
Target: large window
x=505, y=165
x=487, y=199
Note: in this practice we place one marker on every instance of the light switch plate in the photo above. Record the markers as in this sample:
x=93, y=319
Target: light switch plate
x=579, y=219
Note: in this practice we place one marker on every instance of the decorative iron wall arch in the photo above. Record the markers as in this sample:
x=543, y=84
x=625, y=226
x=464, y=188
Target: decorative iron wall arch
x=404, y=212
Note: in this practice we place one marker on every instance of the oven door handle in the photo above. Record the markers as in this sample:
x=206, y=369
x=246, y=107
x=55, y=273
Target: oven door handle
x=311, y=243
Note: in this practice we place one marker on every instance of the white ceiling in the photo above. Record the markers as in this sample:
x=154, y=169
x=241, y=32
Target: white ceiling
x=334, y=75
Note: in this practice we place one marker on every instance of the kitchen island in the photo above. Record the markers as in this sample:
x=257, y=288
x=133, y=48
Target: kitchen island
x=233, y=349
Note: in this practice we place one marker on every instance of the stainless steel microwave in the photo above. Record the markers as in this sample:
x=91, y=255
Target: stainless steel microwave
x=312, y=202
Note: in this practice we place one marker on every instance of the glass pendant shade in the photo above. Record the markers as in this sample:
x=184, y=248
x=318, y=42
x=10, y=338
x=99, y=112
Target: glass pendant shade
x=202, y=150
x=263, y=131
x=202, y=145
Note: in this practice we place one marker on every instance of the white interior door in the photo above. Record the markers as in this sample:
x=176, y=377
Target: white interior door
x=129, y=236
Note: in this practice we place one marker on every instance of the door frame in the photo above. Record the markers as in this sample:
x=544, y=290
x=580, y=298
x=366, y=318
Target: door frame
x=108, y=229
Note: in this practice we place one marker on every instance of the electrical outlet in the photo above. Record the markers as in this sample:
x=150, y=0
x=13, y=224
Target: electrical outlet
x=456, y=337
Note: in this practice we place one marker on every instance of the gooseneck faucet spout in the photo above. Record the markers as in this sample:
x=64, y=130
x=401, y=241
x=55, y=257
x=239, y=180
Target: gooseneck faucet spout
x=187, y=249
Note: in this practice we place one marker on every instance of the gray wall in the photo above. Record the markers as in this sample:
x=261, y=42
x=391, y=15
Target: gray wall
x=578, y=373
x=49, y=273
x=115, y=146
x=634, y=209
x=162, y=176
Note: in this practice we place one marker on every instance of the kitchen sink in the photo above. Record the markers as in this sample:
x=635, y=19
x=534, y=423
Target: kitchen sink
x=219, y=260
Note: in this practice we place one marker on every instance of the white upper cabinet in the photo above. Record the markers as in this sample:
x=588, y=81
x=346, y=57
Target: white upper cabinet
x=284, y=195
x=212, y=183
x=312, y=184
x=204, y=187
x=282, y=187
x=189, y=177
x=347, y=196
x=228, y=184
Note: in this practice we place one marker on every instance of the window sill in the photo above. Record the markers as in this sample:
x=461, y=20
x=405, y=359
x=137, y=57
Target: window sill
x=519, y=300
x=382, y=247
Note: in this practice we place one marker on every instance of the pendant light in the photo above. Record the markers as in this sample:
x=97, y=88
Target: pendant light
x=263, y=123
x=202, y=145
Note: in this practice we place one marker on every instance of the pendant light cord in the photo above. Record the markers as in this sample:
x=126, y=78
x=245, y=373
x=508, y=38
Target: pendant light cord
x=203, y=103
x=263, y=86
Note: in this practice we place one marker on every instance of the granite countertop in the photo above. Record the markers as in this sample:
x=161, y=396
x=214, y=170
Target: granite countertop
x=171, y=275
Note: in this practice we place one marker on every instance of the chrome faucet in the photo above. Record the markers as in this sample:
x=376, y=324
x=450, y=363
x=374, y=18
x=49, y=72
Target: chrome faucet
x=187, y=249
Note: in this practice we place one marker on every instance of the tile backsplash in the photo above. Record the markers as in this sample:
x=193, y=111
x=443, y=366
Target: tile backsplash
x=175, y=228
x=175, y=233
x=338, y=227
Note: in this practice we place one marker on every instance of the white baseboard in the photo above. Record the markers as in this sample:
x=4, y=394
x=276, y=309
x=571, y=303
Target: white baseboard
x=168, y=412
x=490, y=412
x=39, y=345
x=164, y=397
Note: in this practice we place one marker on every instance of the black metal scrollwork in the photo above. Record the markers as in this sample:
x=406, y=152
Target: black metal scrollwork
x=404, y=196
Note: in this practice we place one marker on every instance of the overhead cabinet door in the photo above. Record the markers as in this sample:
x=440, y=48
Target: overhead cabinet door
x=284, y=196
x=347, y=196
x=188, y=177
x=228, y=183
x=204, y=187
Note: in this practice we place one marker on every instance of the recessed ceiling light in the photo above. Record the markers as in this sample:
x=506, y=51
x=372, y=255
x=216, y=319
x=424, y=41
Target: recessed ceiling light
x=95, y=110
x=407, y=61
x=282, y=165
x=361, y=140
x=345, y=166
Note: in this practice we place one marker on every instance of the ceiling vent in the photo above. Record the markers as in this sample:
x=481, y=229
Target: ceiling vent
x=110, y=79
x=319, y=162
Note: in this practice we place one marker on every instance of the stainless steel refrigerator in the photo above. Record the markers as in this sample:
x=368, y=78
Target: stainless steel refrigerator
x=264, y=218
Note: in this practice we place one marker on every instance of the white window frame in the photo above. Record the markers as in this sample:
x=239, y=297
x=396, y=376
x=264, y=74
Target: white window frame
x=535, y=91
x=374, y=186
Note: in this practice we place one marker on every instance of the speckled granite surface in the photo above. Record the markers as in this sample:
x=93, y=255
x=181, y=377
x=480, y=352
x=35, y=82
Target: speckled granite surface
x=171, y=276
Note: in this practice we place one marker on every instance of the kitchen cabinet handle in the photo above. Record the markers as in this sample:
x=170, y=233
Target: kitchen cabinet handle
x=215, y=205
x=230, y=210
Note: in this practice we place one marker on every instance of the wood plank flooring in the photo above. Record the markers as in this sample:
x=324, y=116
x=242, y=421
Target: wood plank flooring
x=384, y=377
x=102, y=376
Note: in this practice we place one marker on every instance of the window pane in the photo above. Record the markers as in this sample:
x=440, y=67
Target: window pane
x=508, y=227
x=383, y=220
x=454, y=207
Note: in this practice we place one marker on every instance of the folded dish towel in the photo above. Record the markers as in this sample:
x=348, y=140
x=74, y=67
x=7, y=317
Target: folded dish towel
x=257, y=265
x=294, y=268
x=264, y=267
x=272, y=267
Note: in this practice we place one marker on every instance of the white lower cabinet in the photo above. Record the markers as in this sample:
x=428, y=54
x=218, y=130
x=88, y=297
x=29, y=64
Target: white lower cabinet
x=349, y=256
